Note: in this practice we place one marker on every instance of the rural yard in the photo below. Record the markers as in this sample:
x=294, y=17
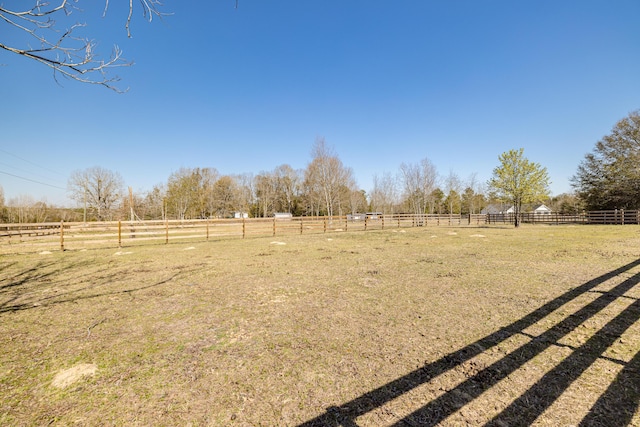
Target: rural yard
x=464, y=325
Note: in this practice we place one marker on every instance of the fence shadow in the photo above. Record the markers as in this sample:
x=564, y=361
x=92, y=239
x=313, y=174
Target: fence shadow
x=615, y=407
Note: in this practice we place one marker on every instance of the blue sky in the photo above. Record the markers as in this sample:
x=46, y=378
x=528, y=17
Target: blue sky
x=247, y=89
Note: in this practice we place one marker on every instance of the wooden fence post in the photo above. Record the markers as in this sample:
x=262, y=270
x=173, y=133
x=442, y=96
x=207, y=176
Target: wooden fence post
x=207, y=228
x=382, y=221
x=61, y=236
x=243, y=226
x=166, y=231
x=119, y=234
x=301, y=225
x=325, y=224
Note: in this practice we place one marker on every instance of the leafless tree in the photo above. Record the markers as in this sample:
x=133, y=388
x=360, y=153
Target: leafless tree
x=190, y=193
x=325, y=177
x=97, y=188
x=246, y=192
x=413, y=191
x=287, y=186
x=350, y=198
x=24, y=209
x=207, y=179
x=419, y=181
x=357, y=201
x=44, y=31
x=225, y=194
x=453, y=188
x=266, y=186
x=182, y=194
x=154, y=203
x=384, y=196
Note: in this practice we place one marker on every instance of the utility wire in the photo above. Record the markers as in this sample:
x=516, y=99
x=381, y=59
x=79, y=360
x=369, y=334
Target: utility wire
x=30, y=162
x=32, y=180
x=24, y=171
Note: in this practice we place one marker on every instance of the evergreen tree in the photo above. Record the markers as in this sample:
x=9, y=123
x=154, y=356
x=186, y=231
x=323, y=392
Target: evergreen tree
x=609, y=177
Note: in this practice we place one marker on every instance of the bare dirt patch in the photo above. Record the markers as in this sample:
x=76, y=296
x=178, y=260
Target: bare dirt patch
x=119, y=253
x=74, y=374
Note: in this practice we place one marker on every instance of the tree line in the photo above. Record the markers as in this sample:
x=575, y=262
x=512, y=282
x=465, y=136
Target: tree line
x=325, y=187
x=607, y=178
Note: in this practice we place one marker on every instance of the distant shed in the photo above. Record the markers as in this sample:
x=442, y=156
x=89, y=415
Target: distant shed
x=356, y=217
x=282, y=215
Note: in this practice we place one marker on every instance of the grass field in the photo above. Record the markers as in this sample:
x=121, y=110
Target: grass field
x=423, y=326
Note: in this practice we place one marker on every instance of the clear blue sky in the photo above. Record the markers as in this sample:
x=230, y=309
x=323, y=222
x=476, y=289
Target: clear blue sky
x=384, y=82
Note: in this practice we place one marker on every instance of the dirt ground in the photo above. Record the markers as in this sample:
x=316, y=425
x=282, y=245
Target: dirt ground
x=418, y=327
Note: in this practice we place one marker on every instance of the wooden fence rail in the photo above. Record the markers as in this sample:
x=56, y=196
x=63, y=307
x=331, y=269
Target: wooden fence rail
x=531, y=218
x=618, y=217
x=128, y=233
x=612, y=217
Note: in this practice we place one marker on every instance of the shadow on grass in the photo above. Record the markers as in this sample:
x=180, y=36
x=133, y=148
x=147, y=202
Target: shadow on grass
x=615, y=407
x=25, y=276
x=17, y=292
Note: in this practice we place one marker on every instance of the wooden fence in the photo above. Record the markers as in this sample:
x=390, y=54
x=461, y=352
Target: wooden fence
x=69, y=235
x=613, y=217
x=75, y=235
x=619, y=217
x=531, y=218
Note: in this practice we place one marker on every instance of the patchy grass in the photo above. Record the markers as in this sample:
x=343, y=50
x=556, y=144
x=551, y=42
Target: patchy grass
x=397, y=326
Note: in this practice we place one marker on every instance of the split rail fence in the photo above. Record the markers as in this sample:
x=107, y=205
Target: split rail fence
x=612, y=217
x=76, y=235
x=70, y=235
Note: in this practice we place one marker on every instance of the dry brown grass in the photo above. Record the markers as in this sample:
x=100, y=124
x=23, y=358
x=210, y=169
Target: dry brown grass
x=393, y=327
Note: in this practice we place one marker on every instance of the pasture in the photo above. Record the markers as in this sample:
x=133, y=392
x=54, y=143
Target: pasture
x=401, y=327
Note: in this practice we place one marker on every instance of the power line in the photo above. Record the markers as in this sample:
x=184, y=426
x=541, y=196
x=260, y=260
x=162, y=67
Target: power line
x=24, y=170
x=30, y=162
x=33, y=180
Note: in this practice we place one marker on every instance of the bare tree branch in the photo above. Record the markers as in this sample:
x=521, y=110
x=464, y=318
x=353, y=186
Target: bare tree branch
x=67, y=54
